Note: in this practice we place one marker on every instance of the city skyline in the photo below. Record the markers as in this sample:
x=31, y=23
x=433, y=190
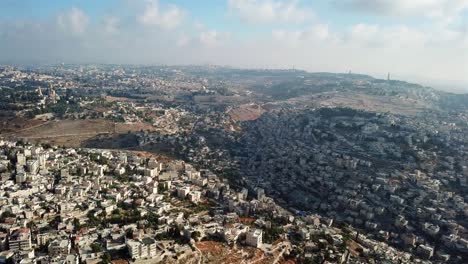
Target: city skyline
x=421, y=41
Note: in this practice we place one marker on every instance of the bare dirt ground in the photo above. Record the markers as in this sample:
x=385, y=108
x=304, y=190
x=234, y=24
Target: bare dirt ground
x=145, y=154
x=118, y=99
x=375, y=103
x=247, y=220
x=71, y=133
x=10, y=123
x=246, y=112
x=220, y=100
x=216, y=252
x=133, y=127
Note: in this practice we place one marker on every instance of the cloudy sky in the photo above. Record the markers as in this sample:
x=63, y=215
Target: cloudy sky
x=418, y=40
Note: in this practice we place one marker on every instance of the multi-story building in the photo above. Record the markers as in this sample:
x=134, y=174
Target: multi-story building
x=254, y=238
x=195, y=196
x=42, y=238
x=59, y=247
x=32, y=165
x=141, y=249
x=3, y=241
x=182, y=192
x=21, y=177
x=20, y=239
x=425, y=251
x=20, y=159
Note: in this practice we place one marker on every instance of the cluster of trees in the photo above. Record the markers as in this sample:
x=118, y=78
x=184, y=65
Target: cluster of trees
x=59, y=109
x=272, y=234
x=6, y=214
x=344, y=111
x=99, y=159
x=14, y=100
x=127, y=94
x=173, y=234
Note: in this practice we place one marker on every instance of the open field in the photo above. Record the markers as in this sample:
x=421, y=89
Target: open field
x=220, y=100
x=71, y=133
x=119, y=99
x=246, y=112
x=10, y=123
x=375, y=103
x=68, y=128
x=216, y=252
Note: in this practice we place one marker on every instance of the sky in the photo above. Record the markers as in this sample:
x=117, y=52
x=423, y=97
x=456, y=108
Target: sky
x=424, y=41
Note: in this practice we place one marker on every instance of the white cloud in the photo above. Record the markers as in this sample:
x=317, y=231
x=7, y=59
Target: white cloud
x=204, y=39
x=75, y=21
x=168, y=17
x=428, y=8
x=320, y=31
x=440, y=52
x=315, y=33
x=374, y=49
x=269, y=11
x=183, y=40
x=376, y=36
x=368, y=36
x=111, y=25
x=199, y=25
x=213, y=38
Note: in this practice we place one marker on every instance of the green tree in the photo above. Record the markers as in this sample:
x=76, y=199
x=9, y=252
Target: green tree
x=76, y=224
x=106, y=258
x=96, y=247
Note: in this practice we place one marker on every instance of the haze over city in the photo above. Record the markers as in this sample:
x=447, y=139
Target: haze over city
x=424, y=40
x=233, y=131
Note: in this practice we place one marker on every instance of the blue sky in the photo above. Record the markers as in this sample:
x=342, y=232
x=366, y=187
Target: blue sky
x=213, y=13
x=422, y=40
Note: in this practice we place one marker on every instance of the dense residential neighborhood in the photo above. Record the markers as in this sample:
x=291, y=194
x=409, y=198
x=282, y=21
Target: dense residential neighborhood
x=86, y=205
x=357, y=169
x=191, y=164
